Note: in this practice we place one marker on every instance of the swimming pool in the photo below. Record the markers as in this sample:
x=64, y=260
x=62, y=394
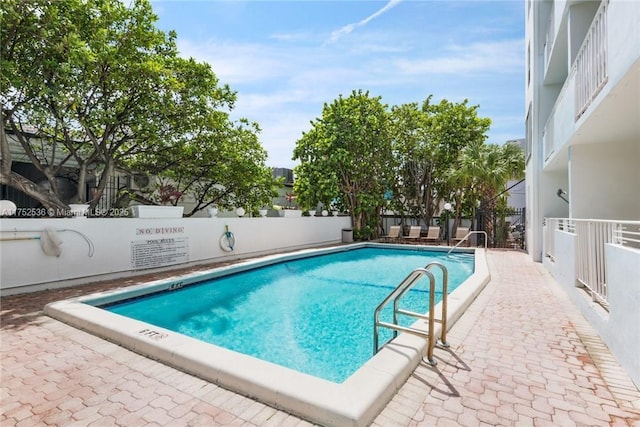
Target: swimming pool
x=354, y=401
x=313, y=314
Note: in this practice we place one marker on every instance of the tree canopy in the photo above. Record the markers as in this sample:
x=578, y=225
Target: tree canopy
x=427, y=143
x=103, y=88
x=409, y=158
x=345, y=158
x=221, y=165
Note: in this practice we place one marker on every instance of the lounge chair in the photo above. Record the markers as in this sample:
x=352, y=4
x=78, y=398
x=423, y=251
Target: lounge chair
x=461, y=232
x=433, y=235
x=394, y=233
x=414, y=233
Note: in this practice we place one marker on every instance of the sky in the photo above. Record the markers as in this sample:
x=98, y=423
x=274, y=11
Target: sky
x=286, y=59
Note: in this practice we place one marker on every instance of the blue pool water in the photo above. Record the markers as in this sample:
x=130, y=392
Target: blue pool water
x=314, y=315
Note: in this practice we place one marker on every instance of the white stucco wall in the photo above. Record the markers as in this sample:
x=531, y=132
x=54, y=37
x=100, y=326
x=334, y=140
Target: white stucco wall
x=623, y=35
x=25, y=267
x=620, y=326
x=564, y=269
x=623, y=283
x=601, y=177
x=599, y=171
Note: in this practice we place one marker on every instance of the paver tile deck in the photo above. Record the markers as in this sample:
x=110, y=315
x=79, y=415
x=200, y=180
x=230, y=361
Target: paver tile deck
x=522, y=354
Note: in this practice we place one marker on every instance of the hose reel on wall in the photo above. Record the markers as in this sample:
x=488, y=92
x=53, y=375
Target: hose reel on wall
x=227, y=240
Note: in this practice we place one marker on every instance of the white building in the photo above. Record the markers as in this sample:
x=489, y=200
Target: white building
x=583, y=159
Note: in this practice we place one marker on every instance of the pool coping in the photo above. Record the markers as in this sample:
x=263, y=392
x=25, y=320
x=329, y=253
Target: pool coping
x=355, y=402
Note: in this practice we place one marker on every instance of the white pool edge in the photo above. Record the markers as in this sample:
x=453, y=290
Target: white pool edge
x=355, y=402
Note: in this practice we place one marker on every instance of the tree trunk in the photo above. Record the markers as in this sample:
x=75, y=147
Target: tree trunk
x=107, y=172
x=17, y=181
x=31, y=189
x=81, y=193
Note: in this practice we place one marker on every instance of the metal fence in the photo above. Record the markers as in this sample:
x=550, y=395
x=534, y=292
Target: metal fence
x=505, y=228
x=29, y=207
x=592, y=236
x=105, y=206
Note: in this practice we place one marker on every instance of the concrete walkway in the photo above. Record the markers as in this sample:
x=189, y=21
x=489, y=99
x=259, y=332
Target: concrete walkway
x=521, y=355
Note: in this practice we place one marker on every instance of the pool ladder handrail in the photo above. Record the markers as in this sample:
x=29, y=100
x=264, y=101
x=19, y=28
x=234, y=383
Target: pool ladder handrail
x=406, y=285
x=486, y=237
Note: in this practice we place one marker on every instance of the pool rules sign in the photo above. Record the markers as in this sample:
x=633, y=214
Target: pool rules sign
x=158, y=249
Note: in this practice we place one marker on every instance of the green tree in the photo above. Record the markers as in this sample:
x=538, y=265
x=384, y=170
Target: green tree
x=84, y=73
x=103, y=86
x=482, y=173
x=25, y=28
x=348, y=151
x=414, y=152
x=315, y=182
x=427, y=143
x=223, y=165
x=453, y=126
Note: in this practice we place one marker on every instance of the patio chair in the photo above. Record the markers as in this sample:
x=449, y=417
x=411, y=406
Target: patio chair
x=393, y=234
x=461, y=232
x=433, y=234
x=414, y=233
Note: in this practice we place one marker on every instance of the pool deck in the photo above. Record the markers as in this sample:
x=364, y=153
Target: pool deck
x=522, y=354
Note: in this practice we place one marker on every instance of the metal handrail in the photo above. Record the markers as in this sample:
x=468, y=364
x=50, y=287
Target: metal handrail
x=413, y=278
x=486, y=237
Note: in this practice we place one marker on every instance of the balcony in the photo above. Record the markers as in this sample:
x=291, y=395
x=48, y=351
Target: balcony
x=596, y=263
x=598, y=100
x=561, y=123
x=548, y=41
x=589, y=249
x=556, y=50
x=591, y=62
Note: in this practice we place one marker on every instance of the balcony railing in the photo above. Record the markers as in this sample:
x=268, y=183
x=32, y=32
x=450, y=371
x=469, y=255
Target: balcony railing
x=548, y=41
x=547, y=137
x=591, y=62
x=592, y=235
x=560, y=124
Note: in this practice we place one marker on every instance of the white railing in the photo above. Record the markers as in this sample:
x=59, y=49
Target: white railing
x=547, y=137
x=553, y=224
x=550, y=226
x=628, y=233
x=559, y=126
x=592, y=235
x=591, y=62
x=548, y=41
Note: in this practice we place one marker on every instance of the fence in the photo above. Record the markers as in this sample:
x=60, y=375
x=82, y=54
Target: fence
x=29, y=207
x=95, y=249
x=591, y=238
x=504, y=228
x=109, y=195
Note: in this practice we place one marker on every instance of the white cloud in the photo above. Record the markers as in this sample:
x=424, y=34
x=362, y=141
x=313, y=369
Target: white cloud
x=236, y=62
x=257, y=103
x=498, y=57
x=347, y=29
x=281, y=128
x=282, y=84
x=290, y=37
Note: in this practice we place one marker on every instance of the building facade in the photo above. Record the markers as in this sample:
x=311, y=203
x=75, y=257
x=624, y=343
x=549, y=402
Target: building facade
x=582, y=112
x=583, y=159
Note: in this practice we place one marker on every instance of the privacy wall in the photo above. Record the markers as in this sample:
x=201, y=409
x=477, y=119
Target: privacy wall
x=41, y=254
